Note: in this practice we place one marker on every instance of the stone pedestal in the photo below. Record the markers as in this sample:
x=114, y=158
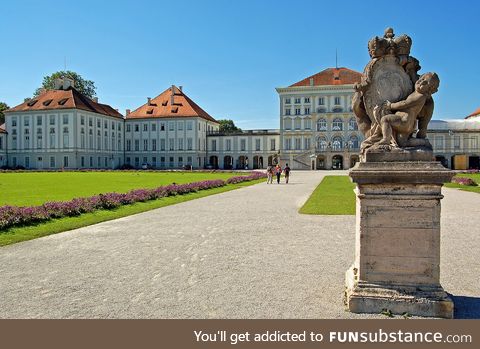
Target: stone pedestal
x=397, y=254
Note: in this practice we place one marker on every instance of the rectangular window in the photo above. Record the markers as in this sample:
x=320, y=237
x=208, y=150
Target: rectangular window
x=145, y=144
x=145, y=127
x=457, y=142
x=306, y=100
x=129, y=145
x=39, y=120
x=297, y=111
x=137, y=145
x=91, y=161
x=171, y=161
x=65, y=140
x=154, y=127
x=180, y=144
x=228, y=145
x=288, y=144
x=171, y=126
x=287, y=101
x=243, y=144
x=162, y=144
x=27, y=162
x=137, y=128
x=189, y=160
x=297, y=101
x=90, y=123
x=337, y=100
x=171, y=144
x=154, y=161
x=82, y=161
x=189, y=125
x=52, y=161
x=52, y=119
x=162, y=126
x=65, y=119
x=154, y=145
x=308, y=124
x=214, y=145
x=257, y=144
x=128, y=127
x=307, y=143
x=298, y=123
x=26, y=121
x=307, y=111
x=14, y=122
x=27, y=142
x=189, y=143
x=321, y=101
x=272, y=144
x=298, y=143
x=65, y=161
x=288, y=111
x=180, y=125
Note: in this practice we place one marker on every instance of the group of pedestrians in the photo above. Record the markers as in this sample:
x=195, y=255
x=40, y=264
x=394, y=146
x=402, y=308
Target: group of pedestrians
x=277, y=171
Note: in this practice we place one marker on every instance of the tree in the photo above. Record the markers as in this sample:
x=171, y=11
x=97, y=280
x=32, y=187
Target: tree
x=228, y=126
x=3, y=107
x=85, y=87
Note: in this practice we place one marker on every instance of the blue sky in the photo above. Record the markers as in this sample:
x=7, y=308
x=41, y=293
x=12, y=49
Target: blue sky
x=229, y=55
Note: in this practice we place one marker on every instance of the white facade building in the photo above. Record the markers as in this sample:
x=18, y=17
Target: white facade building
x=318, y=129
x=169, y=131
x=62, y=128
x=3, y=146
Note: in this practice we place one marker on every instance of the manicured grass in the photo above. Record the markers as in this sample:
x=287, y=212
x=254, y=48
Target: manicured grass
x=18, y=234
x=36, y=188
x=474, y=176
x=333, y=196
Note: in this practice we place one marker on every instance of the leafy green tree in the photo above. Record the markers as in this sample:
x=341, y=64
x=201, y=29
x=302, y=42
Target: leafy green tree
x=228, y=126
x=3, y=107
x=86, y=87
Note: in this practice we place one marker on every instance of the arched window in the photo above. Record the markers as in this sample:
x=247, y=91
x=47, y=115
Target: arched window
x=352, y=124
x=337, y=124
x=337, y=143
x=287, y=122
x=321, y=125
x=322, y=143
x=353, y=142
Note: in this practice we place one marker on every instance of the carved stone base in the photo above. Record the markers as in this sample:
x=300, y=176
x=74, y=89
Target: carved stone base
x=398, y=155
x=397, y=252
x=362, y=297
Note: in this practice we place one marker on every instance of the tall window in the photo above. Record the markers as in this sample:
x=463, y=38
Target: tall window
x=171, y=144
x=321, y=101
x=288, y=111
x=129, y=145
x=65, y=119
x=65, y=137
x=154, y=145
x=306, y=100
x=137, y=145
x=154, y=127
x=298, y=123
x=189, y=143
x=180, y=125
x=243, y=144
x=52, y=161
x=287, y=100
x=353, y=142
x=322, y=143
x=352, y=125
x=307, y=111
x=39, y=120
x=307, y=123
x=298, y=143
x=214, y=145
x=180, y=144
x=189, y=125
x=145, y=127
x=257, y=144
x=287, y=123
x=288, y=143
x=162, y=144
x=228, y=145
x=297, y=101
x=337, y=143
x=145, y=144
x=307, y=143
x=52, y=119
x=297, y=111
x=337, y=100
x=272, y=144
x=171, y=126
x=52, y=137
x=321, y=125
x=337, y=124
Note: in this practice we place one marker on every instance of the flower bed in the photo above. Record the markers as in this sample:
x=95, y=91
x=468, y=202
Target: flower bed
x=250, y=177
x=464, y=181
x=19, y=216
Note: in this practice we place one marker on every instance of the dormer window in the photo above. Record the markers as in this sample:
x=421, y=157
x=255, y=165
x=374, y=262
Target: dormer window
x=174, y=109
x=32, y=102
x=63, y=101
x=150, y=111
x=47, y=102
x=164, y=103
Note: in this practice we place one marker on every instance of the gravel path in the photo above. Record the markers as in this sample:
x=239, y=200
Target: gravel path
x=246, y=253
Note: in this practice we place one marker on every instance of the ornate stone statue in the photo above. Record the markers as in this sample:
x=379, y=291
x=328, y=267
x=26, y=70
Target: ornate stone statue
x=392, y=103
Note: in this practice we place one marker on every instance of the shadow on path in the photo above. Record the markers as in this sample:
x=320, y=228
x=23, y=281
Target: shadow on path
x=466, y=307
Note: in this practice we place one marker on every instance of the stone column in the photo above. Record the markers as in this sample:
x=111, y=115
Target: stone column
x=397, y=252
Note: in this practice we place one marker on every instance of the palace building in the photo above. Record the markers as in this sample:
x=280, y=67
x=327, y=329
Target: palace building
x=63, y=129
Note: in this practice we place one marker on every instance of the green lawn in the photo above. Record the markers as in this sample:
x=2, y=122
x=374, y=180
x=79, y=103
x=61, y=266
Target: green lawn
x=36, y=188
x=333, y=196
x=474, y=176
x=18, y=234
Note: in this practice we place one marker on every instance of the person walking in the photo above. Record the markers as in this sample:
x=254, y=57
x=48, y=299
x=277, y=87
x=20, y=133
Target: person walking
x=270, y=175
x=278, y=172
x=286, y=170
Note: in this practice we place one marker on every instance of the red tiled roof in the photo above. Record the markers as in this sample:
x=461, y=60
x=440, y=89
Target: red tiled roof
x=162, y=107
x=331, y=76
x=475, y=113
x=2, y=128
x=65, y=99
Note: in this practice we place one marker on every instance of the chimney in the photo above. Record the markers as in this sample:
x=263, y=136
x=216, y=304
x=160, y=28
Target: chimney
x=95, y=99
x=148, y=100
x=180, y=88
x=58, y=83
x=172, y=96
x=311, y=81
x=127, y=112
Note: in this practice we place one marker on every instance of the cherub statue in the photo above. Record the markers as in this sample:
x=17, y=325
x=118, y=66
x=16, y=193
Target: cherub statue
x=398, y=120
